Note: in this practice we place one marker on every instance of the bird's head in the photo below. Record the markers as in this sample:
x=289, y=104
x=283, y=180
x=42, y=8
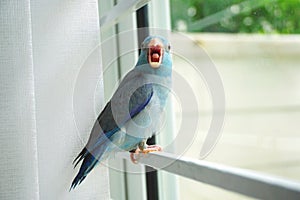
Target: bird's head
x=155, y=51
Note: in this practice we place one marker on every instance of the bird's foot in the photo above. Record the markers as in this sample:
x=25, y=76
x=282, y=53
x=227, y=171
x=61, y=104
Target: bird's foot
x=136, y=155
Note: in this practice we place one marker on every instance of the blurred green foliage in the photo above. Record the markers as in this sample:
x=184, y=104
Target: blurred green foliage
x=236, y=16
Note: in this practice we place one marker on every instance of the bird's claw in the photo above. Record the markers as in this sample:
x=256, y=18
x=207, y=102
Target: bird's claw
x=134, y=157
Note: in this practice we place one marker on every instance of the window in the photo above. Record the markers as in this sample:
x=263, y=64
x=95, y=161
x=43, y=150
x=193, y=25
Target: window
x=254, y=69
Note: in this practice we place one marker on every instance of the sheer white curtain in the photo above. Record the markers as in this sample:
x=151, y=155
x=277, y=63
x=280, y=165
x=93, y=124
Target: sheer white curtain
x=50, y=92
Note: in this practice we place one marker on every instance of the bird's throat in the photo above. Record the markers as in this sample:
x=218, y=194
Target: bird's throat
x=155, y=55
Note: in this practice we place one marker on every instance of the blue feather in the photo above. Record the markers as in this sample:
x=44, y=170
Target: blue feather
x=106, y=135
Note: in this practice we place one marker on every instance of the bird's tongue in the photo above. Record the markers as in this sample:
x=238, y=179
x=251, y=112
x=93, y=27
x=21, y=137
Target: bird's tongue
x=155, y=57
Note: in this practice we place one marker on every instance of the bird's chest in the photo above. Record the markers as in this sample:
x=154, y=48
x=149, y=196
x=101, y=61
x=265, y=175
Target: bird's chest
x=150, y=119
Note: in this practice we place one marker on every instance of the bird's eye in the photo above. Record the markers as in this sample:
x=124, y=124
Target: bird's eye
x=169, y=47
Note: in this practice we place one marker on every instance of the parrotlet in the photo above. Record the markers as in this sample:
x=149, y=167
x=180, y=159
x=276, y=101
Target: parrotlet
x=135, y=111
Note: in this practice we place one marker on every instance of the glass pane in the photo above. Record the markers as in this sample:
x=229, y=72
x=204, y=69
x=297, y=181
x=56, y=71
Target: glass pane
x=254, y=45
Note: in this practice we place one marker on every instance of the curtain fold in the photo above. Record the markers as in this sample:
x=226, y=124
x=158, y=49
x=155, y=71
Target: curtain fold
x=51, y=92
x=19, y=177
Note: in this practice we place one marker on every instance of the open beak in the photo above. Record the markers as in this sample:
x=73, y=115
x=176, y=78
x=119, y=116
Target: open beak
x=155, y=53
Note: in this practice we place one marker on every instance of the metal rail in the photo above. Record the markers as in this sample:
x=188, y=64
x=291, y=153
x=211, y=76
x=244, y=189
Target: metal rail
x=238, y=180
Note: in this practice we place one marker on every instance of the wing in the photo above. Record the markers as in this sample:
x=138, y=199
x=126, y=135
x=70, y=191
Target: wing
x=130, y=98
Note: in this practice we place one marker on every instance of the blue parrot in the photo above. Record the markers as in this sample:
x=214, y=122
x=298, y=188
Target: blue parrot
x=134, y=112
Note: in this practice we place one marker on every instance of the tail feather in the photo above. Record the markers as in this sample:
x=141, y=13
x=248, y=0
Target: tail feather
x=89, y=162
x=90, y=159
x=80, y=156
